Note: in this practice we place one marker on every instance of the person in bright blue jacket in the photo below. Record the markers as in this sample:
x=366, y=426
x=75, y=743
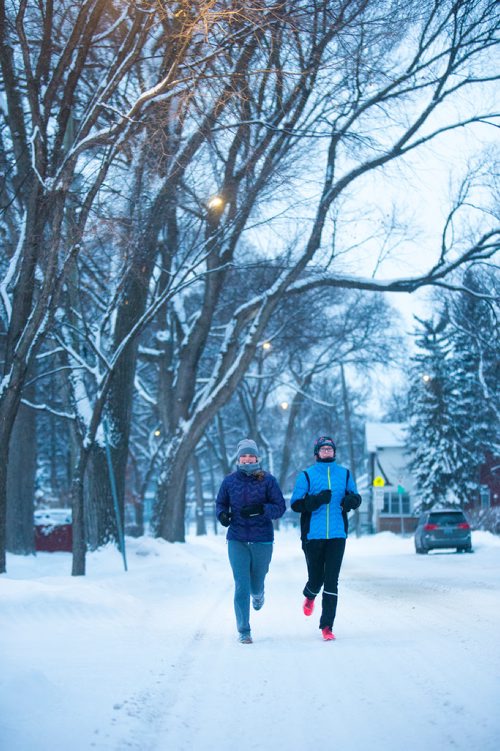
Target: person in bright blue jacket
x=324, y=493
x=248, y=501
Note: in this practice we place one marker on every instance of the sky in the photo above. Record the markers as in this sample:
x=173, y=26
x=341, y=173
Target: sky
x=147, y=660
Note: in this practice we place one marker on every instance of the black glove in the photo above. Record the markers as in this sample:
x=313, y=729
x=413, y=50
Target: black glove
x=253, y=509
x=351, y=501
x=313, y=502
x=225, y=518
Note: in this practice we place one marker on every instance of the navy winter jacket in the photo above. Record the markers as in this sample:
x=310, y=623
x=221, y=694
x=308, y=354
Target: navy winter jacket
x=239, y=489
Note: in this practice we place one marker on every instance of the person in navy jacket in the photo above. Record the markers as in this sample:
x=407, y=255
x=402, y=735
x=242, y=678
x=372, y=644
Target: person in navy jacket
x=324, y=493
x=248, y=501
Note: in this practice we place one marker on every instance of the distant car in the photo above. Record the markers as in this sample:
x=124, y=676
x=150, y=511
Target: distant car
x=52, y=516
x=53, y=530
x=446, y=528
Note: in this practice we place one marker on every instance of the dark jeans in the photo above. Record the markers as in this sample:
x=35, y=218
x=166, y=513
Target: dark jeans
x=324, y=559
x=250, y=563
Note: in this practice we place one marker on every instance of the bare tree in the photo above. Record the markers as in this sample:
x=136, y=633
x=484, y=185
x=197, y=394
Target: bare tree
x=77, y=79
x=240, y=104
x=373, y=101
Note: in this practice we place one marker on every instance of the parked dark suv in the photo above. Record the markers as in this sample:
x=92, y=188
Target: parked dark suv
x=446, y=528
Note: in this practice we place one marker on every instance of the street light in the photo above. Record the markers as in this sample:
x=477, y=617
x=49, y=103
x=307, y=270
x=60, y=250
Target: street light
x=426, y=378
x=284, y=405
x=267, y=346
x=215, y=203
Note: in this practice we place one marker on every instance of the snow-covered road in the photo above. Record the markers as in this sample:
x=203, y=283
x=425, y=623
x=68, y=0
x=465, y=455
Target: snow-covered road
x=148, y=661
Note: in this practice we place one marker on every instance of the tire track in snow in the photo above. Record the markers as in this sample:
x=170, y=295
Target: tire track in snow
x=407, y=647
x=144, y=713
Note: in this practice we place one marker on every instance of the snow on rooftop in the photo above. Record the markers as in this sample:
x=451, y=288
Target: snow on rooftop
x=385, y=435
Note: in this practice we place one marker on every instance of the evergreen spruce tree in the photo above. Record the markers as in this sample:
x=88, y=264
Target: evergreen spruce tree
x=473, y=336
x=453, y=394
x=431, y=435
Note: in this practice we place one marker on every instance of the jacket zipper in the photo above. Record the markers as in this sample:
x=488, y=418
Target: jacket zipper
x=328, y=507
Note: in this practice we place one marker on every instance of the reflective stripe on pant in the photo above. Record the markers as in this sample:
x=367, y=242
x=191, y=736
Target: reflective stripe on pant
x=250, y=564
x=324, y=559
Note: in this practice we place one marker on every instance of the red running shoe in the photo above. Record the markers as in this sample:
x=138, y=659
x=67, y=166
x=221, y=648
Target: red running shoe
x=308, y=606
x=328, y=635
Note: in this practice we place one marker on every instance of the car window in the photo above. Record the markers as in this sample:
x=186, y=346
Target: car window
x=447, y=518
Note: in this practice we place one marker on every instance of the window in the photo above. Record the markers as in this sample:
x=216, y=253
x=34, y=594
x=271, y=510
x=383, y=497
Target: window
x=485, y=496
x=447, y=519
x=396, y=504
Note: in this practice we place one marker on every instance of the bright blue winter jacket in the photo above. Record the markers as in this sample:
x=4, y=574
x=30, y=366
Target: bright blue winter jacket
x=327, y=521
x=239, y=489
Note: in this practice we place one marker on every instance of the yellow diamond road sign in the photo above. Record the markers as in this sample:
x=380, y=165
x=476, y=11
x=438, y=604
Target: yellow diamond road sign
x=378, y=481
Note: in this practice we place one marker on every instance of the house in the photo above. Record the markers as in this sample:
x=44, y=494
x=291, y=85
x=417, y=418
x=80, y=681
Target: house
x=392, y=489
x=489, y=482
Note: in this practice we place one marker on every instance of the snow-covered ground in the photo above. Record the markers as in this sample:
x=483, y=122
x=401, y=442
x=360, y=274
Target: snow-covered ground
x=147, y=660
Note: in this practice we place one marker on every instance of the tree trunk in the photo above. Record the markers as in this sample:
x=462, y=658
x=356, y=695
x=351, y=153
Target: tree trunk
x=290, y=429
x=170, y=505
x=226, y=469
x=214, y=495
x=4, y=457
x=21, y=472
x=201, y=526
x=77, y=504
x=172, y=499
x=139, y=517
x=9, y=405
x=118, y=409
x=98, y=495
x=99, y=508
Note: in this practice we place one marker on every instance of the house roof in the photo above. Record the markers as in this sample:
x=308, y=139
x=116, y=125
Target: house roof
x=385, y=435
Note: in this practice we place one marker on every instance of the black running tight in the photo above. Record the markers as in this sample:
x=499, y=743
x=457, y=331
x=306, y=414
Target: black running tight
x=324, y=559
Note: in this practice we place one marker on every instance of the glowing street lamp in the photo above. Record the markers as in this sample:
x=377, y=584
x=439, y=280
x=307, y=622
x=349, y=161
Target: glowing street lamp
x=284, y=405
x=426, y=378
x=215, y=203
x=267, y=346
